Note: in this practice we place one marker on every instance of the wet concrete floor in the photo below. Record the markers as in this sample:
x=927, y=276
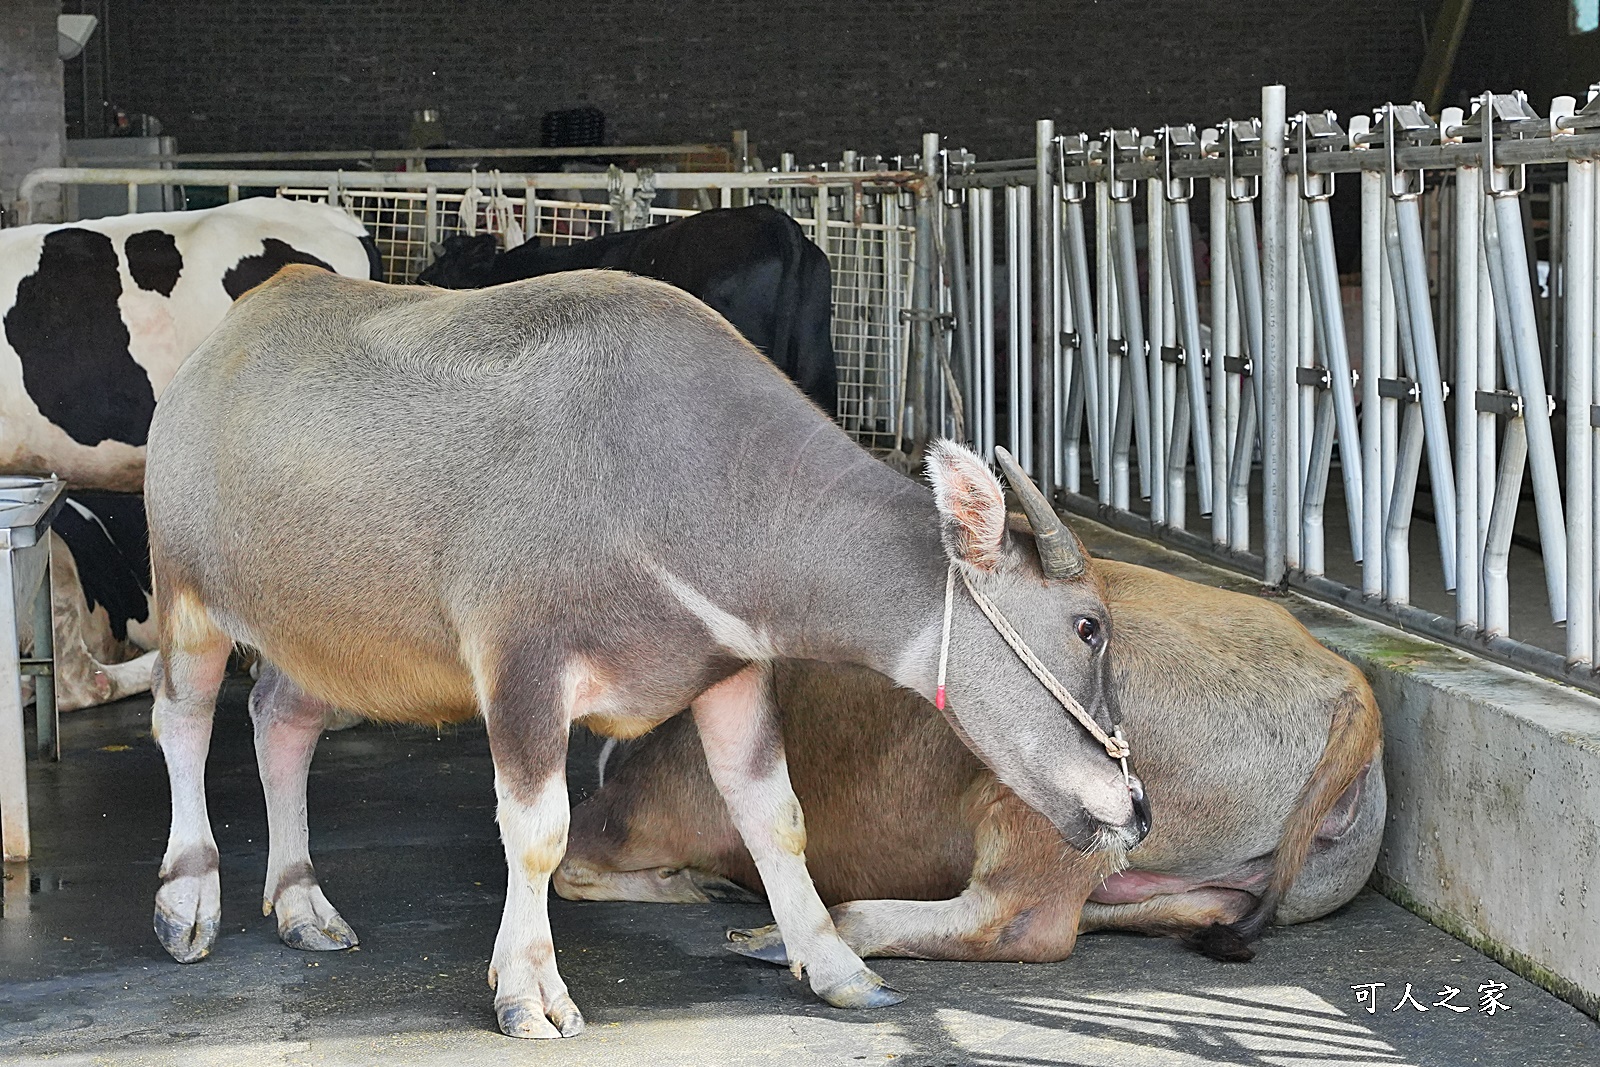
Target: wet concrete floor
x=402, y=829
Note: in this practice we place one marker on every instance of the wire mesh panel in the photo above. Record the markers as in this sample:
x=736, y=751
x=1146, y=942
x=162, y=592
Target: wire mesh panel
x=871, y=266
x=405, y=227
x=870, y=252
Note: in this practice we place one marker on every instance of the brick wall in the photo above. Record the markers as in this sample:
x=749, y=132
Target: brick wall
x=31, y=124
x=812, y=76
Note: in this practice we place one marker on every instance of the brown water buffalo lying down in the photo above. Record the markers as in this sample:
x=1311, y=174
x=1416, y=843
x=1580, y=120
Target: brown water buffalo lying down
x=1260, y=751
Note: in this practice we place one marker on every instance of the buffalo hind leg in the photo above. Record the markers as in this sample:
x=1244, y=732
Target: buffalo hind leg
x=186, y=677
x=744, y=749
x=287, y=726
x=583, y=877
x=528, y=743
x=1189, y=915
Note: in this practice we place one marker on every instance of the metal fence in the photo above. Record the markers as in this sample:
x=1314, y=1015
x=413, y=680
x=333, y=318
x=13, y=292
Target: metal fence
x=1201, y=385
x=864, y=220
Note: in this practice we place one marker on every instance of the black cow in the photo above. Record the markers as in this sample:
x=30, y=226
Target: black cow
x=754, y=265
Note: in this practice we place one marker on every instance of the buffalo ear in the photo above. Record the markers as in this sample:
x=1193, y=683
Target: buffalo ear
x=972, y=507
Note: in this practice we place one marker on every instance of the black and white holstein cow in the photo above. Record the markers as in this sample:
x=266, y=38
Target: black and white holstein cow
x=754, y=265
x=581, y=498
x=95, y=319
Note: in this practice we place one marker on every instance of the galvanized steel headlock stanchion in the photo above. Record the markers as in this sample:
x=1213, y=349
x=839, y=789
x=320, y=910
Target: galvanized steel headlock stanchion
x=1127, y=367
x=1129, y=353
x=1078, y=337
x=1333, y=383
x=1511, y=284
x=1190, y=415
x=1579, y=351
x=1246, y=302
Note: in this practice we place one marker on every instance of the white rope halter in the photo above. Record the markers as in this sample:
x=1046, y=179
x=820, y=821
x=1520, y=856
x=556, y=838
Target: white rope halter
x=1115, y=745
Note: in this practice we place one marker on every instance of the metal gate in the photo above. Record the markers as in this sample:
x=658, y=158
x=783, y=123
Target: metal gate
x=1214, y=396
x=864, y=220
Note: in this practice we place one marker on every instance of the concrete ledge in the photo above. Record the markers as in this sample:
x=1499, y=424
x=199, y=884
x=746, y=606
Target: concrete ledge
x=1494, y=787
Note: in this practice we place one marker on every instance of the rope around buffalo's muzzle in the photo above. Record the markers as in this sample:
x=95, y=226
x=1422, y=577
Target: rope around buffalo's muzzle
x=1115, y=745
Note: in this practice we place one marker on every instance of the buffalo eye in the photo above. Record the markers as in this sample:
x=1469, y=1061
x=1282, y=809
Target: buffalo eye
x=1089, y=631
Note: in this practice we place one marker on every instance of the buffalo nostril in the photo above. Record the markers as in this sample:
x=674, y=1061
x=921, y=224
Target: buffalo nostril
x=1141, y=807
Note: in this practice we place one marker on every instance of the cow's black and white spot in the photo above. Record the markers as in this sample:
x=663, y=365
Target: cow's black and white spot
x=251, y=271
x=67, y=330
x=154, y=260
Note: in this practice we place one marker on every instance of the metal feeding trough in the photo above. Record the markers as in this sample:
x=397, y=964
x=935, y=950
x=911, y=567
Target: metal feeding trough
x=27, y=507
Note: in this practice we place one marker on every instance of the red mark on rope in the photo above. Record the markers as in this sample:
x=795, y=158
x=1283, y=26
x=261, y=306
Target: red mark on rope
x=938, y=698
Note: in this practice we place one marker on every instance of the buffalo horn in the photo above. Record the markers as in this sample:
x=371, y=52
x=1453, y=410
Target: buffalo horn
x=1058, y=549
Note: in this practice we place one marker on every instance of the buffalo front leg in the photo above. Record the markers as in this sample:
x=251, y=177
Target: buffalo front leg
x=287, y=726
x=528, y=742
x=189, y=902
x=1022, y=903
x=744, y=749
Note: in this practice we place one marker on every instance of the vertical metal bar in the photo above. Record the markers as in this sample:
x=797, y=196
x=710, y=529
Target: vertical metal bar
x=1372, y=495
x=924, y=377
x=1398, y=428
x=1507, y=490
x=1535, y=409
x=1578, y=351
x=1275, y=369
x=1239, y=473
x=1488, y=379
x=1155, y=272
x=1175, y=412
x=1048, y=339
x=1424, y=350
x=1591, y=290
x=1104, y=288
x=1389, y=350
x=47, y=732
x=1083, y=321
x=1127, y=266
x=1245, y=257
x=986, y=313
x=1024, y=326
x=1220, y=327
x=1061, y=357
x=1186, y=301
x=1397, y=536
x=1336, y=358
x=1497, y=541
x=1013, y=326
x=1319, y=459
x=1297, y=400
x=961, y=305
x=1469, y=583
x=15, y=840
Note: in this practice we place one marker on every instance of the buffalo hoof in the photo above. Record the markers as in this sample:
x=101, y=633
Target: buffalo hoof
x=307, y=921
x=721, y=891
x=864, y=989
x=765, y=944
x=528, y=1019
x=187, y=940
x=331, y=936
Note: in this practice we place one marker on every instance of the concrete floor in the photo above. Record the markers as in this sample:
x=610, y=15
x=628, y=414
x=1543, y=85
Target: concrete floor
x=403, y=834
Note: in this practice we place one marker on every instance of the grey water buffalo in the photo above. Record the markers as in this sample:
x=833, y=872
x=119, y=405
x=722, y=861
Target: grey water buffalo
x=753, y=265
x=580, y=498
x=1260, y=750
